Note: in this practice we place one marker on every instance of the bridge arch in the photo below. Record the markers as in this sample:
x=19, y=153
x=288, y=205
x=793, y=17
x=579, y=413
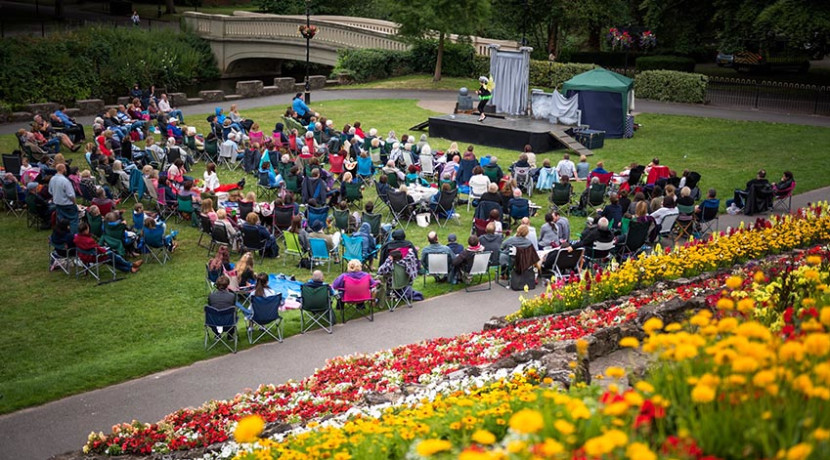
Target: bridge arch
x=248, y=35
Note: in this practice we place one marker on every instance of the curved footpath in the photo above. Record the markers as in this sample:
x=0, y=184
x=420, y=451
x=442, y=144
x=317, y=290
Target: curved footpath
x=63, y=425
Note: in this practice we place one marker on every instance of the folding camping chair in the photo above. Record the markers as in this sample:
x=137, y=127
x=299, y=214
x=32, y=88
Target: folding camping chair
x=524, y=179
x=12, y=164
x=341, y=219
x=684, y=227
x=596, y=197
x=374, y=222
x=319, y=252
x=219, y=237
x=353, y=250
x=399, y=288
x=154, y=247
x=281, y=220
x=14, y=205
x=635, y=240
x=205, y=228
x=353, y=193
x=184, y=208
x=400, y=208
x=427, y=167
x=222, y=325
x=265, y=318
x=445, y=206
x=315, y=302
x=266, y=191
x=293, y=246
x=90, y=262
x=784, y=199
x=560, y=197
x=356, y=294
x=568, y=263
x=56, y=260
x=438, y=265
x=601, y=252
x=319, y=214
x=709, y=215
x=227, y=156
x=252, y=241
x=667, y=226
x=480, y=267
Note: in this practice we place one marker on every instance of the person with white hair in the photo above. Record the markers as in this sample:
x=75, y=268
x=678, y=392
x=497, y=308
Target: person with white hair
x=483, y=97
x=390, y=168
x=600, y=233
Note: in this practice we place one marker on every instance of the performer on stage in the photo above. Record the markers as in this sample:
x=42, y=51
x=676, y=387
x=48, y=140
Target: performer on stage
x=484, y=95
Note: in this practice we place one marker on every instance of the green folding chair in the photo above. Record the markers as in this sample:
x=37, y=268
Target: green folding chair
x=316, y=304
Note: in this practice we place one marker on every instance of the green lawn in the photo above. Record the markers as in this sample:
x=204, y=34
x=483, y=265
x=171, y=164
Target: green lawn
x=67, y=336
x=417, y=81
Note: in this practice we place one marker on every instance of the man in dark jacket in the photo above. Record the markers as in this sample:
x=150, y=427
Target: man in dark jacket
x=398, y=241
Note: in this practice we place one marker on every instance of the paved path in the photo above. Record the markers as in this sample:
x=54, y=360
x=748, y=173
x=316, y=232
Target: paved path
x=444, y=101
x=150, y=398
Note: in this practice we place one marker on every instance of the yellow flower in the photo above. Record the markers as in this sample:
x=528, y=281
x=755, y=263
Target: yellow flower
x=644, y=386
x=673, y=327
x=599, y=446
x=791, y=351
x=825, y=316
x=811, y=275
x=629, y=342
x=799, y=451
x=703, y=394
x=474, y=455
x=342, y=456
x=726, y=303
x=516, y=446
x=817, y=344
x=820, y=434
x=616, y=409
x=551, y=447
x=763, y=378
x=746, y=305
x=429, y=447
x=581, y=347
x=564, y=427
x=727, y=324
x=744, y=364
x=248, y=428
x=484, y=437
x=813, y=260
x=639, y=451
x=527, y=421
x=617, y=437
x=734, y=282
x=653, y=325
x=759, y=277
x=615, y=372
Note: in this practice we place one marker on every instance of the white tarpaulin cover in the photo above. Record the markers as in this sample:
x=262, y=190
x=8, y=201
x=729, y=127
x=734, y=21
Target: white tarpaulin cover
x=555, y=107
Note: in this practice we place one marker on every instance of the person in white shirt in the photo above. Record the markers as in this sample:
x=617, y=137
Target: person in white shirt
x=668, y=209
x=566, y=167
x=164, y=106
x=479, y=182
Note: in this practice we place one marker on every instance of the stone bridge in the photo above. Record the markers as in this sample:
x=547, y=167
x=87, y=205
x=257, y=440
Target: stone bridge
x=252, y=36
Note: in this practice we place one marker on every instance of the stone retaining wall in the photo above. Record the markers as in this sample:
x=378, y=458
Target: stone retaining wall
x=244, y=89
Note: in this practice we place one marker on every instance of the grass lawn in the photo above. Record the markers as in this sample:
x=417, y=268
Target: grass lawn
x=417, y=81
x=70, y=335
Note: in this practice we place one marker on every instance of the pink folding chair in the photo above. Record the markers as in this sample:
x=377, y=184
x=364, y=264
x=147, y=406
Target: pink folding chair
x=784, y=199
x=357, y=293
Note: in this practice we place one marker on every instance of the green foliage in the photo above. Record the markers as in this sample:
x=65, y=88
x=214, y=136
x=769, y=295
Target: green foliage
x=671, y=86
x=373, y=64
x=459, y=58
x=552, y=75
x=601, y=58
x=100, y=62
x=680, y=64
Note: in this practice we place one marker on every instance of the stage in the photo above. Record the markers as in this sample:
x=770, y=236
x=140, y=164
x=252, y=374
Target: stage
x=511, y=133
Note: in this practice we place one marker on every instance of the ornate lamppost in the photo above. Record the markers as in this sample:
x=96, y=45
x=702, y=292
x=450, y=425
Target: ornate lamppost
x=308, y=32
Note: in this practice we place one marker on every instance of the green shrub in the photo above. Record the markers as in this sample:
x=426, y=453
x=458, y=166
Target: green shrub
x=459, y=58
x=100, y=62
x=671, y=86
x=680, y=64
x=373, y=64
x=600, y=58
x=552, y=75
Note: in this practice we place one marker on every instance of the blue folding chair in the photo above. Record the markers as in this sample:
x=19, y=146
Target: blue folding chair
x=319, y=214
x=154, y=246
x=222, y=325
x=265, y=318
x=319, y=252
x=353, y=249
x=136, y=186
x=519, y=209
x=365, y=169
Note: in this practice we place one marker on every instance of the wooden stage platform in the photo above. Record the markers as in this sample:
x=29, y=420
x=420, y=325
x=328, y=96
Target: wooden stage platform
x=511, y=133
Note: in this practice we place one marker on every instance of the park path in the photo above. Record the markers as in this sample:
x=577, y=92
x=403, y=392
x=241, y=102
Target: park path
x=150, y=398
x=59, y=426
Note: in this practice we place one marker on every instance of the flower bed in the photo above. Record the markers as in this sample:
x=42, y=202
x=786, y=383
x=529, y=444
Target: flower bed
x=723, y=386
x=345, y=381
x=765, y=237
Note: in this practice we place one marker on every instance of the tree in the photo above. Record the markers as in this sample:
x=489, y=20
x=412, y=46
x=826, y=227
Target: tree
x=805, y=23
x=429, y=18
x=170, y=7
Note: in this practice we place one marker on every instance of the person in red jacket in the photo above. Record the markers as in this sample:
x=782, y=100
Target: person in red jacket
x=84, y=241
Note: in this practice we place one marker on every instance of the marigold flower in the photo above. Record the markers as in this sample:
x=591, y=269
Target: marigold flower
x=653, y=325
x=615, y=372
x=249, y=428
x=817, y=344
x=629, y=342
x=484, y=437
x=799, y=451
x=820, y=434
x=471, y=454
x=639, y=451
x=746, y=305
x=673, y=327
x=763, y=378
x=813, y=260
x=564, y=427
x=725, y=303
x=744, y=364
x=734, y=282
x=527, y=421
x=644, y=386
x=759, y=277
x=791, y=351
x=552, y=447
x=703, y=394
x=616, y=409
x=514, y=447
x=598, y=446
x=581, y=347
x=430, y=447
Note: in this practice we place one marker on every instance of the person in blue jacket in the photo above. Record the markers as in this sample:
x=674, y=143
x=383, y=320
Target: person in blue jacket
x=301, y=109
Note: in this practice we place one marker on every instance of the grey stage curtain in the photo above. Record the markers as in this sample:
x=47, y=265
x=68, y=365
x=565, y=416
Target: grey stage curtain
x=511, y=72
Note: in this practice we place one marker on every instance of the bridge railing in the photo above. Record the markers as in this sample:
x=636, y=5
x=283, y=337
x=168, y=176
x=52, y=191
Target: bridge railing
x=336, y=31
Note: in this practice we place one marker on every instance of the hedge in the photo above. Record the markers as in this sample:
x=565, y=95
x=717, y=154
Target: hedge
x=100, y=62
x=544, y=74
x=373, y=64
x=600, y=58
x=364, y=65
x=680, y=64
x=671, y=86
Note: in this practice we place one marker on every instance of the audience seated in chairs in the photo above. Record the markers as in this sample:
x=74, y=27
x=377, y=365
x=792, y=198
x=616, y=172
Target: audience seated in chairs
x=435, y=247
x=668, y=209
x=741, y=196
x=256, y=235
x=398, y=241
x=519, y=240
x=464, y=261
x=354, y=274
x=365, y=235
x=219, y=264
x=613, y=211
x=84, y=241
x=222, y=300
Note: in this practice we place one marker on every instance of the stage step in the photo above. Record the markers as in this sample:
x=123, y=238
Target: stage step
x=420, y=126
x=570, y=142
